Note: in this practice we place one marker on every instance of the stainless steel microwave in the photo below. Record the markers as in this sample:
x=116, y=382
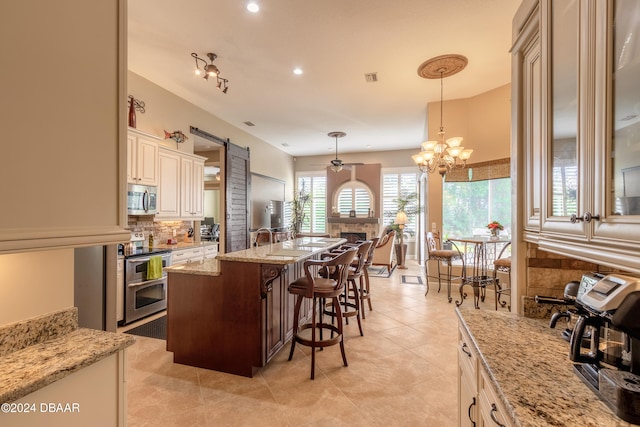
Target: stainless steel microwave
x=142, y=200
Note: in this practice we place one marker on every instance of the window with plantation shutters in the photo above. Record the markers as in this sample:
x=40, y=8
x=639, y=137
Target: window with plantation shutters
x=399, y=185
x=315, y=218
x=353, y=196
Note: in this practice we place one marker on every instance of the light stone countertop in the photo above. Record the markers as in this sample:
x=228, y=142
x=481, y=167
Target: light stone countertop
x=183, y=245
x=287, y=252
x=528, y=364
x=208, y=267
x=37, y=352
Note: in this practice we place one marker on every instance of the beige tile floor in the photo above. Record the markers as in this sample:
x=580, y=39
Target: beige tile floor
x=402, y=372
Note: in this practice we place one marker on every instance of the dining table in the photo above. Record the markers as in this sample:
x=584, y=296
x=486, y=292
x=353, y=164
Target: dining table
x=478, y=254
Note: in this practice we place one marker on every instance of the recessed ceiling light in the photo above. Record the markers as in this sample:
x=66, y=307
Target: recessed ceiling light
x=297, y=71
x=253, y=7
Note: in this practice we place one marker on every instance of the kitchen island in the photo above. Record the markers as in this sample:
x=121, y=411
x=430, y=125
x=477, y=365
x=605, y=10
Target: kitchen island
x=524, y=370
x=234, y=313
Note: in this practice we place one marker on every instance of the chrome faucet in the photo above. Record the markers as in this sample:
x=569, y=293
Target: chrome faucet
x=268, y=230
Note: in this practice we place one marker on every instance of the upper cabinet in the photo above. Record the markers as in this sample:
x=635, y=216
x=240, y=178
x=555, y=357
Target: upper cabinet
x=581, y=129
x=63, y=174
x=181, y=186
x=142, y=158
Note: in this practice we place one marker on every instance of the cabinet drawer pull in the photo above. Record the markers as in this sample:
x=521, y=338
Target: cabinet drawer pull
x=494, y=409
x=464, y=349
x=587, y=218
x=473, y=403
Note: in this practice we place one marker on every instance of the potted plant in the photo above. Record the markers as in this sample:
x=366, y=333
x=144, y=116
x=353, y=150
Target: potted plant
x=300, y=201
x=407, y=208
x=494, y=227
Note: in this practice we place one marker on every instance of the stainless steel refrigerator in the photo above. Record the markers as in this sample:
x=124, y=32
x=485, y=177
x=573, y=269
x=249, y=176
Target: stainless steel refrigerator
x=95, y=286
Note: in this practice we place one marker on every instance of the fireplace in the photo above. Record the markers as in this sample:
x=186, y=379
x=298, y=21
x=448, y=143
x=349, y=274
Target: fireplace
x=353, y=236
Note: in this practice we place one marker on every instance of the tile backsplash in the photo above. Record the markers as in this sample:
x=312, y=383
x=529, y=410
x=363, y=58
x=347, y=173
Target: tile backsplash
x=162, y=230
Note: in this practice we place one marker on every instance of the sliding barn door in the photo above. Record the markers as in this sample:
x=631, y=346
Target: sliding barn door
x=238, y=184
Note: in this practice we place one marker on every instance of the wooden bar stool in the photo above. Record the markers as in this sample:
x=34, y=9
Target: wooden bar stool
x=319, y=289
x=365, y=291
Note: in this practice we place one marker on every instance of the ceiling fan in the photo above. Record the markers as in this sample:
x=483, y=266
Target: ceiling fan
x=336, y=164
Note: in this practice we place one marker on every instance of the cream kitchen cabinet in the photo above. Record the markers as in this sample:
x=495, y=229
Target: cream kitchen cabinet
x=183, y=256
x=181, y=186
x=192, y=187
x=142, y=158
x=491, y=412
x=580, y=129
x=168, y=184
x=210, y=251
x=467, y=381
x=73, y=136
x=478, y=403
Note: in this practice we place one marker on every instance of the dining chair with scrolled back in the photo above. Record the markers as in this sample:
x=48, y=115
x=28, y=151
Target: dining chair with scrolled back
x=446, y=256
x=502, y=264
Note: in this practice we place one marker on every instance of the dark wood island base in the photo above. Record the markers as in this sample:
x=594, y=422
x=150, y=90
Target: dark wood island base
x=234, y=313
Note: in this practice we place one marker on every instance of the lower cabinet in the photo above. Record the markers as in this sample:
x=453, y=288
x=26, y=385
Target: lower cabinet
x=478, y=403
x=491, y=410
x=467, y=381
x=183, y=256
x=75, y=400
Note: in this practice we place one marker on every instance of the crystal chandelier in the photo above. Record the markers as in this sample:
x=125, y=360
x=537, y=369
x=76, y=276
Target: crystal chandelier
x=442, y=156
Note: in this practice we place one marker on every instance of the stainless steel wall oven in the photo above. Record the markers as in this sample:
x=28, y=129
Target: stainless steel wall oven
x=143, y=297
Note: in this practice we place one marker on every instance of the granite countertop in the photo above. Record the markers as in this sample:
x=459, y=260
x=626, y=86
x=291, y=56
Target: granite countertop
x=208, y=267
x=287, y=252
x=184, y=245
x=528, y=364
x=37, y=352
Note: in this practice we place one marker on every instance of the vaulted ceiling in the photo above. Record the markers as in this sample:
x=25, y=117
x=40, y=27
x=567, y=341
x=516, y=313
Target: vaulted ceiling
x=335, y=43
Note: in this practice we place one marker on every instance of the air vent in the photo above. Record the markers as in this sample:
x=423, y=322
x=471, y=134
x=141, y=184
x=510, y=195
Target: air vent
x=371, y=77
x=248, y=123
x=284, y=144
x=629, y=117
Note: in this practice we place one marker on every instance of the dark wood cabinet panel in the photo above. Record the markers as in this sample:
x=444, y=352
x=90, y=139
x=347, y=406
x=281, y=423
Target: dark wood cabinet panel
x=235, y=322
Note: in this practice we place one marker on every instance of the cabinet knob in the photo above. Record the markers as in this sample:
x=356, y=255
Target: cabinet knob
x=587, y=217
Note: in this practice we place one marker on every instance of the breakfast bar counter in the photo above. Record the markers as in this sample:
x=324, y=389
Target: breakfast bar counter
x=234, y=313
x=527, y=364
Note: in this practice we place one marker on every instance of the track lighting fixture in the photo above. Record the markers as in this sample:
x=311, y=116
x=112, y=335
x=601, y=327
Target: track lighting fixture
x=210, y=70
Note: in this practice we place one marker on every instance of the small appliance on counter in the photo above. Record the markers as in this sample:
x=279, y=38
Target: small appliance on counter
x=571, y=292
x=610, y=366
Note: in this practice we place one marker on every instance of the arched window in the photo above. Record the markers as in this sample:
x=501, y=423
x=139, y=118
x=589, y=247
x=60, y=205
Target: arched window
x=353, y=195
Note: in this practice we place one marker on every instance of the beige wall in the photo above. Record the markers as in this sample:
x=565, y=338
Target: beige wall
x=166, y=111
x=35, y=283
x=484, y=121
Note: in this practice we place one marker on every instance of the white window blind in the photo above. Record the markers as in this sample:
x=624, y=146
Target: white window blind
x=354, y=198
x=316, y=210
x=394, y=186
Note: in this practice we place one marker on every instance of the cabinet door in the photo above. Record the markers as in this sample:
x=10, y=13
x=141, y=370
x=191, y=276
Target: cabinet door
x=617, y=190
x=169, y=185
x=275, y=303
x=147, y=162
x=564, y=170
x=131, y=159
x=197, y=198
x=467, y=401
x=186, y=187
x=532, y=138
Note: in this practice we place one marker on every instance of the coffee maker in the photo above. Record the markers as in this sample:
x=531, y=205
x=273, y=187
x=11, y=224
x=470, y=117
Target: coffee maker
x=610, y=365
